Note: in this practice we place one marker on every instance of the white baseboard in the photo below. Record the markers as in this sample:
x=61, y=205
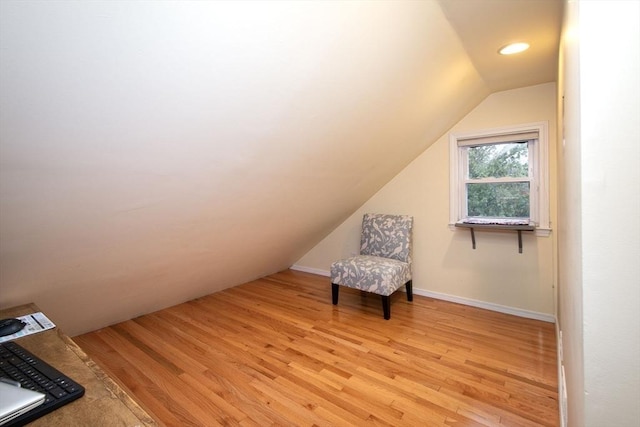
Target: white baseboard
x=488, y=306
x=459, y=300
x=311, y=270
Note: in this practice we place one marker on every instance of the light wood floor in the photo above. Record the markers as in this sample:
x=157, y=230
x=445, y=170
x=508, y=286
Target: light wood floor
x=277, y=352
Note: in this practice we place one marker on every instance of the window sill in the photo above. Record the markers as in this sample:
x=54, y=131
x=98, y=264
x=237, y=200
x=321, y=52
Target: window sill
x=518, y=228
x=539, y=231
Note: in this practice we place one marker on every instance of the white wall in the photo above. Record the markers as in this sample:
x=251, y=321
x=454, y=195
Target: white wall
x=444, y=261
x=570, y=307
x=152, y=152
x=599, y=243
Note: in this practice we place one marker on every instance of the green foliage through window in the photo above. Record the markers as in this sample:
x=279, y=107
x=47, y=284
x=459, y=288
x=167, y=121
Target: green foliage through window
x=507, y=200
x=505, y=162
x=499, y=160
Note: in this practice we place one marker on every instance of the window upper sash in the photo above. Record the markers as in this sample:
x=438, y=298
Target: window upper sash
x=497, y=139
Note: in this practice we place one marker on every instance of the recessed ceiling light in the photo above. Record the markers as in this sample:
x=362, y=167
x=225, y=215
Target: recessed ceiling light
x=512, y=48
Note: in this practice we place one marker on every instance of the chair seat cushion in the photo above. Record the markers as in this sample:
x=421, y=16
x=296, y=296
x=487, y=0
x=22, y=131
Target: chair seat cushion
x=381, y=276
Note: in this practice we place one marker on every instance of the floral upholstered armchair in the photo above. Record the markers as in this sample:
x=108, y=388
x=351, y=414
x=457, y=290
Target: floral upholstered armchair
x=384, y=263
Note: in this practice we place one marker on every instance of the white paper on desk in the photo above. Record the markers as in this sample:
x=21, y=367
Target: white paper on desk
x=36, y=322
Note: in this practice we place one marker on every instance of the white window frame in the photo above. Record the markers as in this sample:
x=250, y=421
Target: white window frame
x=538, y=164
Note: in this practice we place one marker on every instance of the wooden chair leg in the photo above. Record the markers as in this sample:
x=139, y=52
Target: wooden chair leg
x=409, y=286
x=334, y=293
x=386, y=306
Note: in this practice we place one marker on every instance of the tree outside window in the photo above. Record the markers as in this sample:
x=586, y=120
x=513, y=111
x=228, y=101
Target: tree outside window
x=498, y=180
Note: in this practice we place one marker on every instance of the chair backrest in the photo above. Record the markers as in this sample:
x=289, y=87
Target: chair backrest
x=388, y=236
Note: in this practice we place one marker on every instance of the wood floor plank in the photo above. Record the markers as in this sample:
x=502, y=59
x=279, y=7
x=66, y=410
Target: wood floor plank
x=275, y=351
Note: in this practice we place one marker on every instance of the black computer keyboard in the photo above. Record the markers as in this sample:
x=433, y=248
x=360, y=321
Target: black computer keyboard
x=18, y=364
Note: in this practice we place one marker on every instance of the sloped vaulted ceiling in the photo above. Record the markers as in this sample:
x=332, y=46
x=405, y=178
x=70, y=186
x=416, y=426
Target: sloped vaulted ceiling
x=153, y=152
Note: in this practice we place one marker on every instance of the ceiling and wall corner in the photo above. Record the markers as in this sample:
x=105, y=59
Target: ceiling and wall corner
x=153, y=152
x=485, y=26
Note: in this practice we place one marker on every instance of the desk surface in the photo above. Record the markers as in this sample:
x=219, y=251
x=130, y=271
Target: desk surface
x=104, y=402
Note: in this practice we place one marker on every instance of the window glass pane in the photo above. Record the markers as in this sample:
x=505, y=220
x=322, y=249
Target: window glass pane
x=502, y=200
x=499, y=160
